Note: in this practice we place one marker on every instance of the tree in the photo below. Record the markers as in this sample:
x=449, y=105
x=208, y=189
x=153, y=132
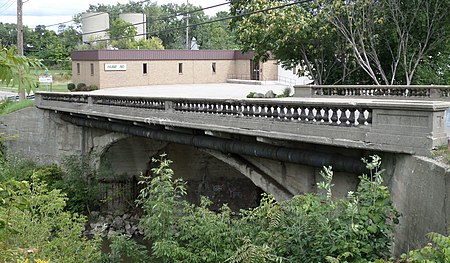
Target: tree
x=153, y=43
x=16, y=70
x=297, y=35
x=217, y=35
x=122, y=33
x=390, y=38
x=344, y=41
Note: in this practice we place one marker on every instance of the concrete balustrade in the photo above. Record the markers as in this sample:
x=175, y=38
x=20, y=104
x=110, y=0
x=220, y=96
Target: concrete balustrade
x=373, y=91
x=413, y=127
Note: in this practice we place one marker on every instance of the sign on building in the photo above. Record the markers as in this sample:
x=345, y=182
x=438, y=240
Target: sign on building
x=115, y=67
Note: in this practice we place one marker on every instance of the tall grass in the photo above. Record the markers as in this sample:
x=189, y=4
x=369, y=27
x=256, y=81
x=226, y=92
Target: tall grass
x=8, y=106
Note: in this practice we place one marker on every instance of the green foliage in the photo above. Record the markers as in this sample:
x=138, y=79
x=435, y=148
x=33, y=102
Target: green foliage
x=383, y=42
x=153, y=43
x=71, y=86
x=309, y=228
x=33, y=224
x=437, y=252
x=92, y=87
x=251, y=94
x=8, y=106
x=81, y=86
x=80, y=183
x=123, y=247
x=16, y=70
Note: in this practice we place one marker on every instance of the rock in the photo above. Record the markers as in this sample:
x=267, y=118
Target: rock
x=258, y=95
x=270, y=94
x=118, y=222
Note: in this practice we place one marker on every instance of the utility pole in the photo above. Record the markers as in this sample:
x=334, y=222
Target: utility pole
x=20, y=45
x=19, y=28
x=187, y=26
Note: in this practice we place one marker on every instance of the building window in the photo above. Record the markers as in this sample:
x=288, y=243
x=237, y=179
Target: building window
x=92, y=69
x=180, y=68
x=144, y=68
x=213, y=67
x=78, y=68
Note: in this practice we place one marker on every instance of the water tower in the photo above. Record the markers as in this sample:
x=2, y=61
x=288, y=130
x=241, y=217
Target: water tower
x=139, y=22
x=94, y=26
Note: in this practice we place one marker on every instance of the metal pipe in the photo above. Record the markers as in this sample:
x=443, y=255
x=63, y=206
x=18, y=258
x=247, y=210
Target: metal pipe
x=257, y=149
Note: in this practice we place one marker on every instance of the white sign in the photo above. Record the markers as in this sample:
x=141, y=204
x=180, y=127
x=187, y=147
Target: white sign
x=46, y=79
x=115, y=67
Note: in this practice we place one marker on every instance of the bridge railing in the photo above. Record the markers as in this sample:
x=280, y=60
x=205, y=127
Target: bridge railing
x=374, y=91
x=337, y=114
x=378, y=124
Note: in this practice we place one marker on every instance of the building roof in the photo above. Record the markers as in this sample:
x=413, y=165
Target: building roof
x=117, y=55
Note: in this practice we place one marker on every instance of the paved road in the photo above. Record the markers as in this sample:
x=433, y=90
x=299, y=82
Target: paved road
x=4, y=94
x=218, y=91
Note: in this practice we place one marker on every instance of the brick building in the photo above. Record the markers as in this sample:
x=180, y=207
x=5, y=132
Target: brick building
x=126, y=68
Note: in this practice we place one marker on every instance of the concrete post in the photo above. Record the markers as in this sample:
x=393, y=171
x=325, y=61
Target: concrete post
x=169, y=106
x=303, y=91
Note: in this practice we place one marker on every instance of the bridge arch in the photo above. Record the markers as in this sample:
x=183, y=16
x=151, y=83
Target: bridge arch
x=206, y=175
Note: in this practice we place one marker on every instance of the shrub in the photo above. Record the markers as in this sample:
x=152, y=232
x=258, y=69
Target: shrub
x=71, y=86
x=439, y=251
x=251, y=94
x=92, y=87
x=81, y=86
x=34, y=224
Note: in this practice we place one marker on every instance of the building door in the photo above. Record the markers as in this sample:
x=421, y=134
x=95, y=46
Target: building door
x=254, y=70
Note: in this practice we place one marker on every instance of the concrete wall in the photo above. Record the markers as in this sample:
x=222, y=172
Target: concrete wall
x=420, y=189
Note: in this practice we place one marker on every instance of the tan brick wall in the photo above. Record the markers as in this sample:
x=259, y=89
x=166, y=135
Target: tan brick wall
x=242, y=69
x=269, y=70
x=166, y=72
x=85, y=73
x=161, y=72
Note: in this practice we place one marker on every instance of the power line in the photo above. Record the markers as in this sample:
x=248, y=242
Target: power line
x=11, y=2
x=164, y=18
x=211, y=21
x=161, y=18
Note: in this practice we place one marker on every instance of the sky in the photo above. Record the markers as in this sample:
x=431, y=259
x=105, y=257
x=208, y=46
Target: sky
x=47, y=12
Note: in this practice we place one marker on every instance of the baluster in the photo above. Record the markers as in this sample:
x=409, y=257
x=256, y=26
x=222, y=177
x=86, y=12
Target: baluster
x=264, y=111
x=280, y=112
x=251, y=110
x=352, y=117
x=318, y=116
x=289, y=112
x=361, y=117
x=270, y=113
x=303, y=115
x=343, y=118
x=295, y=114
x=310, y=114
x=334, y=116
x=256, y=110
x=369, y=117
x=325, y=116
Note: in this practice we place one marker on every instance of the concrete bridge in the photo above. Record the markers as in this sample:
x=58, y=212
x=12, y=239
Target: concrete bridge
x=231, y=149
